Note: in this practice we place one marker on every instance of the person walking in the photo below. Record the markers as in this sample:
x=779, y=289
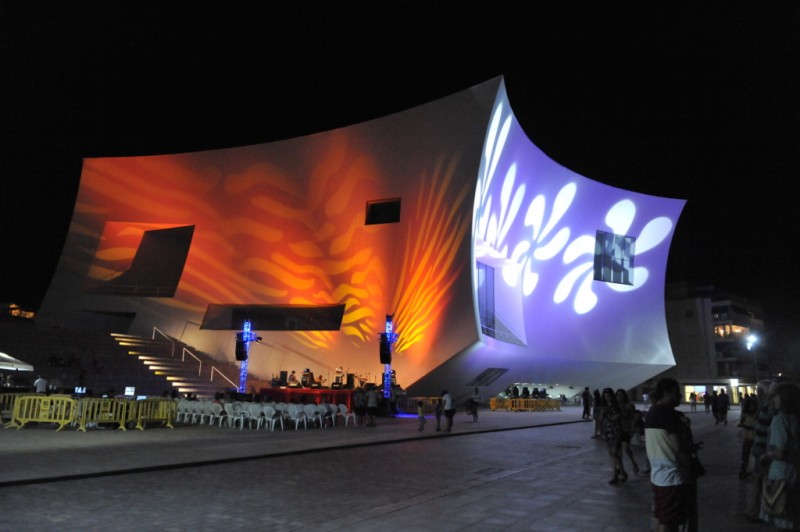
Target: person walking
x=597, y=413
x=667, y=433
x=723, y=404
x=421, y=415
x=437, y=413
x=627, y=415
x=611, y=423
x=449, y=409
x=372, y=405
x=586, y=400
x=360, y=406
x=715, y=407
x=747, y=422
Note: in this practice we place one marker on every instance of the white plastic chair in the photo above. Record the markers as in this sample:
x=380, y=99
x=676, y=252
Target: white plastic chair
x=216, y=414
x=326, y=414
x=297, y=416
x=234, y=415
x=254, y=414
x=271, y=417
x=347, y=414
x=204, y=411
x=183, y=411
x=312, y=414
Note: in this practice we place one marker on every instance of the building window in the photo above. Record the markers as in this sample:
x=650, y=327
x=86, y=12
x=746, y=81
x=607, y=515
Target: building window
x=486, y=299
x=613, y=258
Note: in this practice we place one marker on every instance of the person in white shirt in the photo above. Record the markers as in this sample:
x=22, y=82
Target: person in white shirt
x=40, y=385
x=449, y=409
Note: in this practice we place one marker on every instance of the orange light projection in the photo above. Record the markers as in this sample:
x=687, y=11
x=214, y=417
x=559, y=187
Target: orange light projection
x=265, y=234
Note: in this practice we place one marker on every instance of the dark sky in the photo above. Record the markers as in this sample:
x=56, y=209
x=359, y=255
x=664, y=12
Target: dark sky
x=699, y=102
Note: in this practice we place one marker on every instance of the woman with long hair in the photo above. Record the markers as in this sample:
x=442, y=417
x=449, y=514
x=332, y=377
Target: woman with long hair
x=627, y=413
x=782, y=454
x=611, y=422
x=597, y=413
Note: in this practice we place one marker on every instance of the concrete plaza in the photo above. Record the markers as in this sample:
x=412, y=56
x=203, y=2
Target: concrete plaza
x=509, y=471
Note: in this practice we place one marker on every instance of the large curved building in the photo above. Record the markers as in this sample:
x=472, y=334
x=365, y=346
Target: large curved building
x=497, y=264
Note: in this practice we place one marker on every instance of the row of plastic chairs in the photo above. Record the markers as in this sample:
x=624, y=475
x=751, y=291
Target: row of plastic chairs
x=256, y=415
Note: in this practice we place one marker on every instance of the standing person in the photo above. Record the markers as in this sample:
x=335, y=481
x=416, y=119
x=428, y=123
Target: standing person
x=674, y=499
x=723, y=404
x=449, y=409
x=597, y=413
x=437, y=411
x=586, y=400
x=627, y=415
x=714, y=407
x=747, y=422
x=782, y=452
x=707, y=402
x=40, y=385
x=763, y=421
x=421, y=415
x=611, y=423
x=693, y=401
x=474, y=401
x=360, y=406
x=372, y=404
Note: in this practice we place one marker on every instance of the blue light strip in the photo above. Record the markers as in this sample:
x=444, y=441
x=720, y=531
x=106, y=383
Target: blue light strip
x=246, y=338
x=391, y=338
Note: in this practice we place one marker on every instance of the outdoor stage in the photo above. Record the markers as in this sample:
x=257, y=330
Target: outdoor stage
x=288, y=394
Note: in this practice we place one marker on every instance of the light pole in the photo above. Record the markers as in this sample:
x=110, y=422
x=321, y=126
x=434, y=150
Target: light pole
x=751, y=343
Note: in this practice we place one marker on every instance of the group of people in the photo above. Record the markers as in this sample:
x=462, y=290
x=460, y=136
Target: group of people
x=616, y=421
x=771, y=424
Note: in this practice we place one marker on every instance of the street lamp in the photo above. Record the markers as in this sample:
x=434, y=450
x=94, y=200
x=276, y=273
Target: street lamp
x=751, y=342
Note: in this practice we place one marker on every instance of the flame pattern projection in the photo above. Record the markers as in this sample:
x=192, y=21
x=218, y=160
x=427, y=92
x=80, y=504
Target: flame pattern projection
x=265, y=234
x=430, y=268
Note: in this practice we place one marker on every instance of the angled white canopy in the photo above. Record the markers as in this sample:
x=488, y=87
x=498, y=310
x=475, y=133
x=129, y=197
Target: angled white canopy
x=8, y=362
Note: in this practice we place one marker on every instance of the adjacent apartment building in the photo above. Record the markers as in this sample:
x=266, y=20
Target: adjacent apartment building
x=717, y=339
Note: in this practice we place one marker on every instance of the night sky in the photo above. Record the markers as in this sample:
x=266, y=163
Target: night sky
x=699, y=102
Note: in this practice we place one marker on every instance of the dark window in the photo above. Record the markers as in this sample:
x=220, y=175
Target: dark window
x=486, y=299
x=383, y=211
x=613, y=258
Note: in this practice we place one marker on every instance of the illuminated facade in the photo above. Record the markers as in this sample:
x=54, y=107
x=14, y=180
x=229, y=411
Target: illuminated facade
x=498, y=264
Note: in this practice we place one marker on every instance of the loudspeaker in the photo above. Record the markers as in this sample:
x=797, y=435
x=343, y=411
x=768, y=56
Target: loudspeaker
x=241, y=350
x=385, y=350
x=284, y=377
x=351, y=381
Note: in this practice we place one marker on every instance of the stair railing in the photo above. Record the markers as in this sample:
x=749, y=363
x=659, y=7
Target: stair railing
x=187, y=352
x=167, y=338
x=213, y=370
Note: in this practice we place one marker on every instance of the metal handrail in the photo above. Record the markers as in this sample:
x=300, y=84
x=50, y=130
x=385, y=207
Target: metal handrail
x=200, y=362
x=171, y=342
x=187, y=351
x=213, y=369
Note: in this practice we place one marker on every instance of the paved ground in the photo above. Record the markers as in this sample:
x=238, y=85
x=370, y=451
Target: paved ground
x=509, y=471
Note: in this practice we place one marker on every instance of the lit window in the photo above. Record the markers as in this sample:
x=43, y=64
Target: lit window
x=613, y=258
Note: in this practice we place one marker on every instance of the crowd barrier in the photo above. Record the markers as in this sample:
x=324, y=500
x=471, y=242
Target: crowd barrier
x=524, y=405
x=59, y=409
x=87, y=412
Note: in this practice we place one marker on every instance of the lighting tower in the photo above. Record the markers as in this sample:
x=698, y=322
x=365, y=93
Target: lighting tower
x=243, y=340
x=388, y=339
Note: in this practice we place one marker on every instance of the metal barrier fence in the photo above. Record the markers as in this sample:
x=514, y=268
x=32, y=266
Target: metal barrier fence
x=59, y=409
x=87, y=412
x=524, y=405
